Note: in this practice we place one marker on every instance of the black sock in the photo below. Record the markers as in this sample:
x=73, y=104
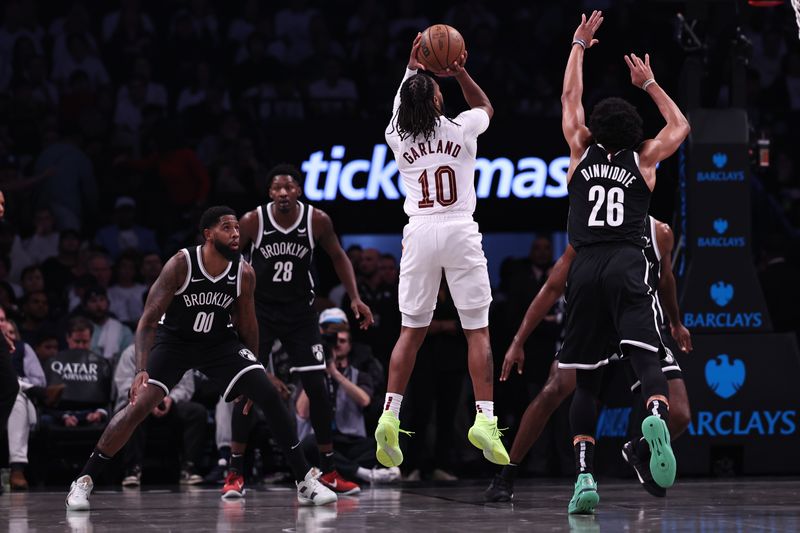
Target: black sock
x=95, y=465
x=584, y=456
x=659, y=408
x=225, y=453
x=236, y=464
x=326, y=462
x=509, y=472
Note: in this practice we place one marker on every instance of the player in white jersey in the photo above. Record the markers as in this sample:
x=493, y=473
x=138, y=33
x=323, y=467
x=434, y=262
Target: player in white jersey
x=436, y=159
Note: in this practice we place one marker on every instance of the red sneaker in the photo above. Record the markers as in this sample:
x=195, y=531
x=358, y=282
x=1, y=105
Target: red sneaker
x=234, y=486
x=334, y=481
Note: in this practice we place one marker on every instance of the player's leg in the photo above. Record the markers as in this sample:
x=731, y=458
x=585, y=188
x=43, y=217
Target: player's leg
x=420, y=275
x=246, y=378
x=583, y=420
x=165, y=368
x=560, y=384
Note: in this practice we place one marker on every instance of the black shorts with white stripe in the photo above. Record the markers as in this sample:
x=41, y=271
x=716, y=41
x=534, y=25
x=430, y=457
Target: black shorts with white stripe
x=609, y=299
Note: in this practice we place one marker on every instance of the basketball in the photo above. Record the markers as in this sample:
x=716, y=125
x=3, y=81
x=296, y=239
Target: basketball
x=441, y=45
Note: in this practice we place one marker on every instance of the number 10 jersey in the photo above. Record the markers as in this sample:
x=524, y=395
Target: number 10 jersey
x=438, y=173
x=281, y=258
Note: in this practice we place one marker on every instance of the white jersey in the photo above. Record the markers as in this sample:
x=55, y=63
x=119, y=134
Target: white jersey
x=439, y=173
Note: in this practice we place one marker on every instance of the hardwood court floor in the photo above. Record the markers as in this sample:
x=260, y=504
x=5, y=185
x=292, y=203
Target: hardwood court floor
x=744, y=505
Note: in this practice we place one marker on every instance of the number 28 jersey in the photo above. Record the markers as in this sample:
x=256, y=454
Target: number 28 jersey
x=608, y=199
x=281, y=258
x=201, y=308
x=438, y=173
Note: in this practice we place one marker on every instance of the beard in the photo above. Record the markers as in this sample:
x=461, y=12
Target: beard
x=226, y=251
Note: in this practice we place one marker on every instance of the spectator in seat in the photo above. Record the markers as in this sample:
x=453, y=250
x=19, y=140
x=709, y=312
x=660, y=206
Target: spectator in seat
x=354, y=453
x=126, y=295
x=43, y=244
x=176, y=410
x=109, y=335
x=86, y=377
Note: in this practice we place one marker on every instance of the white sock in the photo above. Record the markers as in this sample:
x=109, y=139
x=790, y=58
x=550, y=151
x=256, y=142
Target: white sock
x=487, y=408
x=392, y=403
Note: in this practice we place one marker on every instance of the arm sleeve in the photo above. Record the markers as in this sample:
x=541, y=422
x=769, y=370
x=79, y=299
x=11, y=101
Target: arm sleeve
x=33, y=368
x=475, y=121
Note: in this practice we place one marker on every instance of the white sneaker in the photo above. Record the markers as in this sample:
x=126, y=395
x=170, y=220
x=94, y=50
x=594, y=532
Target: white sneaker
x=311, y=492
x=385, y=475
x=78, y=497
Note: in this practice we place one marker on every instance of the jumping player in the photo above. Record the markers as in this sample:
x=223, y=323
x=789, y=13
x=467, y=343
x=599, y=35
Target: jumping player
x=610, y=182
x=561, y=382
x=436, y=159
x=282, y=236
x=201, y=299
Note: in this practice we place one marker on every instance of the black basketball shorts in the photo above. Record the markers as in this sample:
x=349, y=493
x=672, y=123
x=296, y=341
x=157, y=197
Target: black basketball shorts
x=222, y=363
x=297, y=328
x=608, y=300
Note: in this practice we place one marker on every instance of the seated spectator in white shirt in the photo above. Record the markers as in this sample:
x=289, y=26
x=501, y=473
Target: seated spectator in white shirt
x=124, y=233
x=43, y=244
x=79, y=57
x=126, y=294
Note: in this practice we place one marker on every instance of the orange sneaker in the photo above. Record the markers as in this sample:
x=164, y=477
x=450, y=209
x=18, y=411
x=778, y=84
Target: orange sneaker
x=334, y=481
x=234, y=486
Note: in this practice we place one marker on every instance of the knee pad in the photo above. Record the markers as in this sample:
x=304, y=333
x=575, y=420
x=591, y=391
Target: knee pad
x=421, y=320
x=474, y=318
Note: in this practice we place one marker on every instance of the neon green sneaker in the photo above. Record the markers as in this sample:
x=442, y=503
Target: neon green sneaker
x=387, y=436
x=662, y=461
x=585, y=497
x=485, y=436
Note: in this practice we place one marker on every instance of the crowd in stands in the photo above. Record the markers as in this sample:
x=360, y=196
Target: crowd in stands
x=121, y=121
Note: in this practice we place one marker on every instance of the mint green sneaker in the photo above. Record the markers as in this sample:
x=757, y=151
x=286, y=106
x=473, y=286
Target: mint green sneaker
x=485, y=436
x=387, y=436
x=662, y=461
x=585, y=497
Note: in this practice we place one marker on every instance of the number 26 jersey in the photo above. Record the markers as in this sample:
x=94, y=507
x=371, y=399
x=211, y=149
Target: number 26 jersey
x=281, y=258
x=608, y=199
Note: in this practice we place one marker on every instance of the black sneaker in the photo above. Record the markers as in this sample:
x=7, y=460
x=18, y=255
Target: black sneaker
x=500, y=490
x=216, y=476
x=642, y=470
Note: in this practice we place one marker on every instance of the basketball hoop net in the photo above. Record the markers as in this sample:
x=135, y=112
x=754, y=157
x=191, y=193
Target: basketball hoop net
x=796, y=6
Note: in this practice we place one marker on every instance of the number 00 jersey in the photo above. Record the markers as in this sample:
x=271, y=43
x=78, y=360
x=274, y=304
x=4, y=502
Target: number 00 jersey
x=438, y=173
x=608, y=199
x=201, y=309
x=281, y=258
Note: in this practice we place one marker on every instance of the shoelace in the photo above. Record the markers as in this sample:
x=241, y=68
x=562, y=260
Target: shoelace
x=498, y=432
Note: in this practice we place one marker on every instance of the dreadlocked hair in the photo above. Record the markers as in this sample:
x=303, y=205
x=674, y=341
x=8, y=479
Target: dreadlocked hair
x=416, y=116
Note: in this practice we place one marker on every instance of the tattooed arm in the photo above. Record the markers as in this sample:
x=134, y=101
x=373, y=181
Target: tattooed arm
x=171, y=279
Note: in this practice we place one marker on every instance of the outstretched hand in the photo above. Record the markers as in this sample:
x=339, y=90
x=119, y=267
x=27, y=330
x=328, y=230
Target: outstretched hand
x=515, y=356
x=640, y=70
x=587, y=28
x=413, y=62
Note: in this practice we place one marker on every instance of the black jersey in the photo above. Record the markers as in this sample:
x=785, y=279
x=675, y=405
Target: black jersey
x=201, y=309
x=608, y=199
x=281, y=258
x=653, y=255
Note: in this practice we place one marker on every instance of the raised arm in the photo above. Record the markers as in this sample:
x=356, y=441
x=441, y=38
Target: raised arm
x=547, y=296
x=473, y=94
x=171, y=279
x=667, y=288
x=573, y=119
x=673, y=133
x=245, y=310
x=411, y=68
x=326, y=237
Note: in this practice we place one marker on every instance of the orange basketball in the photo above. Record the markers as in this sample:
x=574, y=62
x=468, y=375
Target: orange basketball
x=440, y=46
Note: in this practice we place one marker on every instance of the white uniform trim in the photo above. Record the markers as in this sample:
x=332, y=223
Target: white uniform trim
x=158, y=383
x=188, y=271
x=310, y=228
x=291, y=228
x=636, y=159
x=654, y=238
x=203, y=268
x=652, y=294
x=581, y=366
x=236, y=378
x=307, y=368
x=257, y=242
x=239, y=280
x=648, y=347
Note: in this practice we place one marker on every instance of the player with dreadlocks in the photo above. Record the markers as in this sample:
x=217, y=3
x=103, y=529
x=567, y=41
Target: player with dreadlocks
x=436, y=160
